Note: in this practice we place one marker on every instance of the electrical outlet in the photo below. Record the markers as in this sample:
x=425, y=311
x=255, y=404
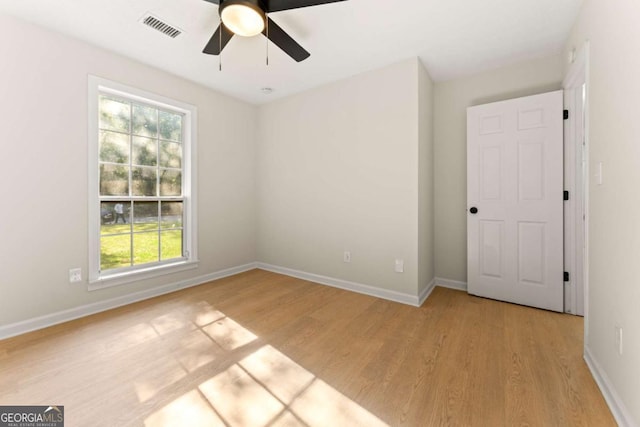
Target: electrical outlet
x=347, y=256
x=399, y=267
x=618, y=330
x=75, y=275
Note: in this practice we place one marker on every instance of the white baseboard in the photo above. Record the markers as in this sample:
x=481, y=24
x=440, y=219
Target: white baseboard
x=13, y=329
x=451, y=284
x=345, y=284
x=18, y=328
x=422, y=297
x=617, y=407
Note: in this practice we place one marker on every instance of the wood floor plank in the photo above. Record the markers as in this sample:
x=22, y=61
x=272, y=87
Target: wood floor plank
x=263, y=349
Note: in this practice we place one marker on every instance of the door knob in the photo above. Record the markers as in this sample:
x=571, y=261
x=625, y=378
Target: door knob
x=473, y=210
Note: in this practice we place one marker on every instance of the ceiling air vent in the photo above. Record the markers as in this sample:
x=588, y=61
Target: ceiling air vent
x=157, y=24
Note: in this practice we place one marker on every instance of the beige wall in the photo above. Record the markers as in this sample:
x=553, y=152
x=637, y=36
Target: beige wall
x=344, y=167
x=338, y=170
x=43, y=179
x=614, y=229
x=451, y=101
x=426, y=258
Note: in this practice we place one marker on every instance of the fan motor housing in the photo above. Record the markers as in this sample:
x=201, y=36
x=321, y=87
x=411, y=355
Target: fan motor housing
x=253, y=4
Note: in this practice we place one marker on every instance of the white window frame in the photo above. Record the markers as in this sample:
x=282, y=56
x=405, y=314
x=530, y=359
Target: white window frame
x=100, y=280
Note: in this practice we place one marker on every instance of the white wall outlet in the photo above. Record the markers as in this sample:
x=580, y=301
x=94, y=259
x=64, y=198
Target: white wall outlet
x=618, y=330
x=399, y=267
x=347, y=256
x=75, y=275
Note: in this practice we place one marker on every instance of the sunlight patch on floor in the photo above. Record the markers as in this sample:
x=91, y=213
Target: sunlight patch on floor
x=263, y=388
x=287, y=419
x=229, y=334
x=195, y=350
x=322, y=405
x=170, y=322
x=155, y=379
x=190, y=409
x=279, y=374
x=239, y=399
x=203, y=314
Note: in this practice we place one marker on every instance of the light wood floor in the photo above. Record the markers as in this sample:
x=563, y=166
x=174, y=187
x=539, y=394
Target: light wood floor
x=261, y=349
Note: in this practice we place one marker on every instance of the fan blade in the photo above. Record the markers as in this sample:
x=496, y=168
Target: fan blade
x=213, y=1
x=216, y=45
x=278, y=5
x=284, y=41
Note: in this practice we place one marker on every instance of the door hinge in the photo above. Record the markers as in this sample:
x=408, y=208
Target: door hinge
x=566, y=195
x=566, y=276
x=565, y=115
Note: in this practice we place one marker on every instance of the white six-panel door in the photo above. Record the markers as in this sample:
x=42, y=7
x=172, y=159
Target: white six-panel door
x=514, y=181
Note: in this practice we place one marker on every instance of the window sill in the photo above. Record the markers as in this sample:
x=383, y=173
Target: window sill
x=116, y=279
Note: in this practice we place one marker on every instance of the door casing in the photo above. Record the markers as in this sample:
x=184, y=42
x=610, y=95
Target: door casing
x=576, y=154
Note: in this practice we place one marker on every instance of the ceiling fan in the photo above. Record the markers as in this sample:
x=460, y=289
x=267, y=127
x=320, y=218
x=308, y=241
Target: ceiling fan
x=249, y=18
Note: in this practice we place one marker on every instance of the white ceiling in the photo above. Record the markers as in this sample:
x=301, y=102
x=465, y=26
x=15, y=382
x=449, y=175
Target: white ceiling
x=453, y=38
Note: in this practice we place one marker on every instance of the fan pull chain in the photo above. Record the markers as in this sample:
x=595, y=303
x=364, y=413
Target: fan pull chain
x=220, y=47
x=266, y=17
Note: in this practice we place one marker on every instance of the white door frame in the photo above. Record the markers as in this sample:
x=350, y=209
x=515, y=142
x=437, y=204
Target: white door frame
x=577, y=183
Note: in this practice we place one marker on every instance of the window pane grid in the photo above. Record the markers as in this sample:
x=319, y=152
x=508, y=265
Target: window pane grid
x=161, y=111
x=151, y=239
x=153, y=175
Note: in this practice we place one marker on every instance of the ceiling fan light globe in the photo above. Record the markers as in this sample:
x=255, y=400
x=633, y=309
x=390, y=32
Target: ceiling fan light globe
x=242, y=20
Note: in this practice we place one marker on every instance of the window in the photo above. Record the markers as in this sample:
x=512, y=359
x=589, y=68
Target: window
x=141, y=187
